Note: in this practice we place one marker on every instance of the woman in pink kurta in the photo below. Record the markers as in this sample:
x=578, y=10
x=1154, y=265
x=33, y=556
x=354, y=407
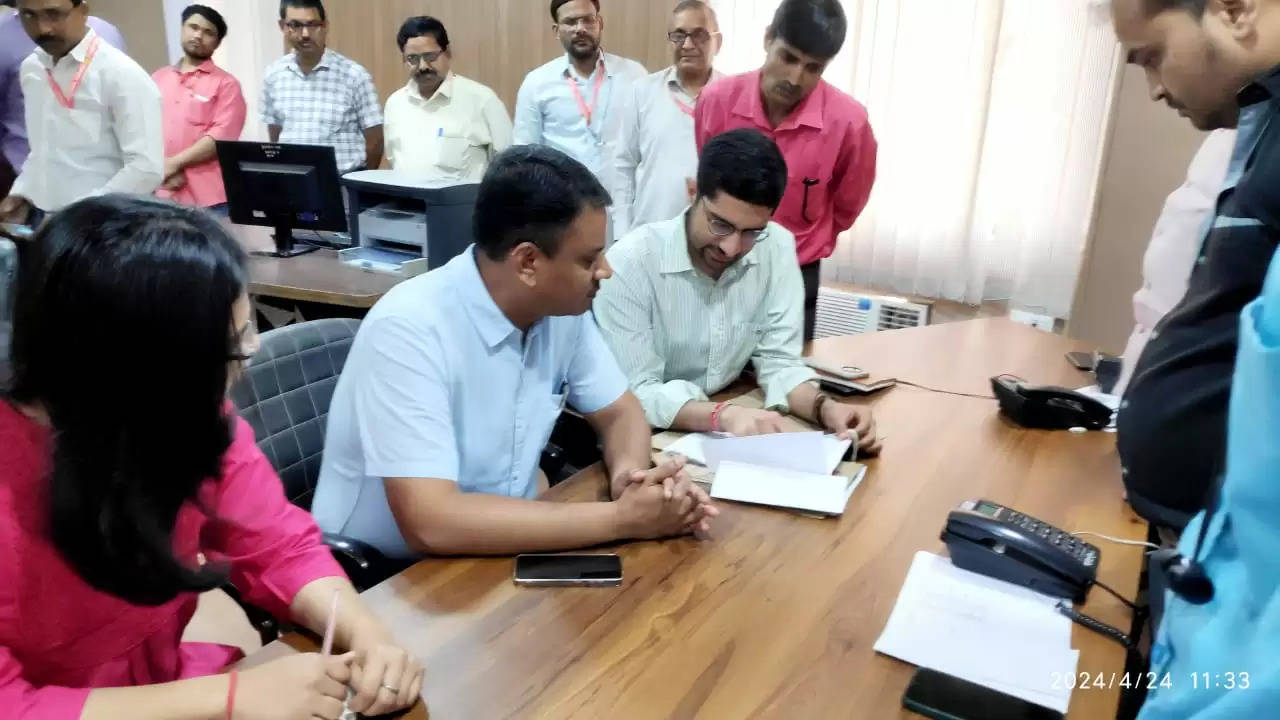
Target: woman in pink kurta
x=103, y=548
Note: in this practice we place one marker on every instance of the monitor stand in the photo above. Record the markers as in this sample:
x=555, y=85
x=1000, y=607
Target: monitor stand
x=285, y=247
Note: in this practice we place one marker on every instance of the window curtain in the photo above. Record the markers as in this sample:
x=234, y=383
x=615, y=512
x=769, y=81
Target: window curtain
x=991, y=117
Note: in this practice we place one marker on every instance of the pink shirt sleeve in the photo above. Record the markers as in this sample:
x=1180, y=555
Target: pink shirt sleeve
x=23, y=701
x=702, y=132
x=273, y=547
x=854, y=176
x=228, y=111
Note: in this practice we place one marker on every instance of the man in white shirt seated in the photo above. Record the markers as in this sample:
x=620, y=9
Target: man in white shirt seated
x=694, y=298
x=93, y=116
x=457, y=377
x=657, y=155
x=441, y=126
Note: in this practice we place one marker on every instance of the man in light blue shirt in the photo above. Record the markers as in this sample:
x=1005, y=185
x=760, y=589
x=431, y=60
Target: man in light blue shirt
x=457, y=377
x=574, y=103
x=698, y=296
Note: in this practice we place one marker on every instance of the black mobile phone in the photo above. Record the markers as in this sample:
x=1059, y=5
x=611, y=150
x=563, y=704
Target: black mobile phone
x=945, y=697
x=569, y=569
x=1081, y=360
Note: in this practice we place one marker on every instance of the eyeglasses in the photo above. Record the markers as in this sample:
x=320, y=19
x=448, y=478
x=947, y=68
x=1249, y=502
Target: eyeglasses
x=587, y=22
x=700, y=37
x=417, y=60
x=295, y=26
x=722, y=228
x=244, y=344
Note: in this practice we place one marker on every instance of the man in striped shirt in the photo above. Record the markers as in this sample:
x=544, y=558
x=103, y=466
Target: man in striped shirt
x=694, y=298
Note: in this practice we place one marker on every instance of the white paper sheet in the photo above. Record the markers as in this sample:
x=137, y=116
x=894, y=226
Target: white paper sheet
x=1093, y=392
x=807, y=452
x=816, y=492
x=983, y=630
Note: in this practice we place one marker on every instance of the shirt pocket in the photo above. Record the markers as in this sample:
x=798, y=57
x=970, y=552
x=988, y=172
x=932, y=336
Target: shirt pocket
x=810, y=192
x=452, y=151
x=198, y=111
x=88, y=125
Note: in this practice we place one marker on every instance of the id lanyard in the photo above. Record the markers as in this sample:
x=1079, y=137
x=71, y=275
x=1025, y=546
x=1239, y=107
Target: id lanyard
x=588, y=111
x=68, y=99
x=686, y=109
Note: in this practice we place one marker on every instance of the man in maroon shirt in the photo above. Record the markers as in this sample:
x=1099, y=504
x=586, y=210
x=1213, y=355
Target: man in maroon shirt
x=824, y=134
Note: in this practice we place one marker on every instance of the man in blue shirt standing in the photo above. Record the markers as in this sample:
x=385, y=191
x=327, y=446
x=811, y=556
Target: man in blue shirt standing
x=457, y=377
x=574, y=103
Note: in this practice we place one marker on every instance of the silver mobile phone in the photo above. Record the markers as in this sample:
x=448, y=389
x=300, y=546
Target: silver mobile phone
x=594, y=570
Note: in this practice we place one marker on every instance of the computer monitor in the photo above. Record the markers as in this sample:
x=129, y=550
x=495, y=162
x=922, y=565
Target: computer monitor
x=286, y=187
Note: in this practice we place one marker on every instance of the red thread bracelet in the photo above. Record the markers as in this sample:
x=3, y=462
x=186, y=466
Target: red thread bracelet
x=715, y=416
x=231, y=694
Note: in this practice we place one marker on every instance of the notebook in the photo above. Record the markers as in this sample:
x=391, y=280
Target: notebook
x=810, y=452
x=821, y=494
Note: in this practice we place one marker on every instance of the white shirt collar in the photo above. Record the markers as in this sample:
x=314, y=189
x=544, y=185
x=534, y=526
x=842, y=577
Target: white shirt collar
x=445, y=90
x=77, y=53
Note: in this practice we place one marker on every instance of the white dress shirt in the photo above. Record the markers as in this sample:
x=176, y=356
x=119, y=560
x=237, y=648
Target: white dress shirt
x=1175, y=245
x=450, y=136
x=111, y=141
x=548, y=113
x=656, y=152
x=681, y=336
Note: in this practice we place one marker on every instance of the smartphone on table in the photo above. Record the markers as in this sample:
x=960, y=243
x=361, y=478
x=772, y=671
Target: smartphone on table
x=566, y=570
x=945, y=697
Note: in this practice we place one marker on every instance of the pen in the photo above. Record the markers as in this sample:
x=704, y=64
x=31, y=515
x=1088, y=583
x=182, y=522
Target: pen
x=327, y=646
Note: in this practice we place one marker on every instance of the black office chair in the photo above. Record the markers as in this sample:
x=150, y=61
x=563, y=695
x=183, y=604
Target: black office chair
x=284, y=395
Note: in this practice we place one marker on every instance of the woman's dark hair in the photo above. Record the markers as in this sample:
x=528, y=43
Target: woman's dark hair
x=744, y=164
x=421, y=26
x=122, y=334
x=532, y=193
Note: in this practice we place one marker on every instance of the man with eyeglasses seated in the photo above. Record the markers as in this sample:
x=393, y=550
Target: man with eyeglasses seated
x=441, y=126
x=315, y=96
x=656, y=154
x=694, y=298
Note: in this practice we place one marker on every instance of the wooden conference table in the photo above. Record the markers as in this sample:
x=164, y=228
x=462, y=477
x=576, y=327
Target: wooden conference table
x=775, y=616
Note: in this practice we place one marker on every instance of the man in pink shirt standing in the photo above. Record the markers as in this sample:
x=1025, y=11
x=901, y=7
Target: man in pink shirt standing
x=824, y=134
x=202, y=104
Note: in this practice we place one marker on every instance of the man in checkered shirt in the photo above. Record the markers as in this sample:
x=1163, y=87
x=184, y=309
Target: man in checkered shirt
x=315, y=96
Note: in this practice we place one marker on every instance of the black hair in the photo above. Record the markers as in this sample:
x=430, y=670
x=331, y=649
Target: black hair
x=1155, y=7
x=420, y=26
x=122, y=333
x=557, y=4
x=814, y=27
x=213, y=16
x=317, y=5
x=532, y=193
x=746, y=165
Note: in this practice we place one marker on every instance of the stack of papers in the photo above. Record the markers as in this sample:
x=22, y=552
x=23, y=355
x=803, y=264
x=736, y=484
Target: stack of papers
x=998, y=635
x=808, y=452
x=790, y=470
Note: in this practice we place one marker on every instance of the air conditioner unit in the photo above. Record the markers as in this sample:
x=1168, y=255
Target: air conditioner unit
x=841, y=312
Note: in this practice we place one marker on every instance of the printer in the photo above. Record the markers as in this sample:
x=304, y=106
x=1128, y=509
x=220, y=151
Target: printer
x=404, y=226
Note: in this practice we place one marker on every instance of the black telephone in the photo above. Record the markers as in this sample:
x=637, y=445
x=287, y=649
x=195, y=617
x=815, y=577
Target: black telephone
x=1048, y=407
x=994, y=540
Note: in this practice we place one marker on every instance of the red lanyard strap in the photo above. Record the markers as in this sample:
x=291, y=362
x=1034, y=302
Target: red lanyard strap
x=587, y=111
x=68, y=100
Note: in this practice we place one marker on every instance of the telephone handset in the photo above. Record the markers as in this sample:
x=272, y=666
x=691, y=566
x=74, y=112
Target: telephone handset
x=1048, y=407
x=994, y=540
